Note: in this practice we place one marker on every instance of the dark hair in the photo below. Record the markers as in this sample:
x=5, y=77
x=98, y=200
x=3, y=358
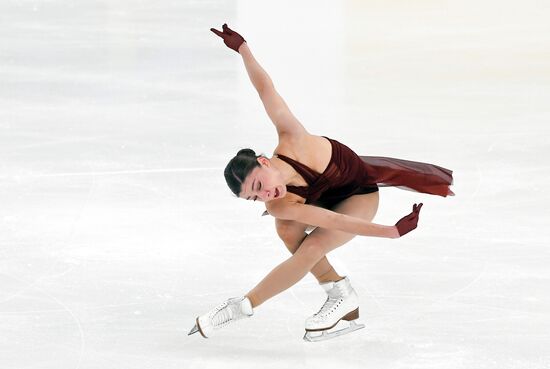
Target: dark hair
x=239, y=168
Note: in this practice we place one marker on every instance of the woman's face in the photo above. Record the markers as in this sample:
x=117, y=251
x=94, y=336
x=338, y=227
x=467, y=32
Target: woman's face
x=264, y=183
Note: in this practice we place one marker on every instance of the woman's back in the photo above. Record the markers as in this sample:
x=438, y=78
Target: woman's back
x=310, y=150
x=339, y=176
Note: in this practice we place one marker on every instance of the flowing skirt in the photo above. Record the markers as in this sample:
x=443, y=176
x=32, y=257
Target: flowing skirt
x=408, y=175
x=381, y=171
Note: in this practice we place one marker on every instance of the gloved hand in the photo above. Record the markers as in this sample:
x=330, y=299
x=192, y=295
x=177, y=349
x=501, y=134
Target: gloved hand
x=408, y=222
x=231, y=38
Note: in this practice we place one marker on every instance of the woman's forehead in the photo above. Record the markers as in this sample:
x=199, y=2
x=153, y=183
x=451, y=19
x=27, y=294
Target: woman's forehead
x=254, y=173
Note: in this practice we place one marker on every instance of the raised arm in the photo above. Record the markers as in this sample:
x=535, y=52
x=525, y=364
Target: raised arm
x=258, y=76
x=276, y=108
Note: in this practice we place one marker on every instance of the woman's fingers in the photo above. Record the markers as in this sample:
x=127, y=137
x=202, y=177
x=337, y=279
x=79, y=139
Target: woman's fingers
x=409, y=221
x=416, y=208
x=231, y=39
x=226, y=29
x=221, y=34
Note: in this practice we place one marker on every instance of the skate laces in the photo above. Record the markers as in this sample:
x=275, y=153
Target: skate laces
x=221, y=315
x=327, y=307
x=225, y=313
x=330, y=302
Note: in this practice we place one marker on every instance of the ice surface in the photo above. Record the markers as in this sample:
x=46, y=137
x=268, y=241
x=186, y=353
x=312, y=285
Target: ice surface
x=117, y=228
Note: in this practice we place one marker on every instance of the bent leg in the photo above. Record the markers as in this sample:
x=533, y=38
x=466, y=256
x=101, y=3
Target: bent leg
x=292, y=233
x=313, y=248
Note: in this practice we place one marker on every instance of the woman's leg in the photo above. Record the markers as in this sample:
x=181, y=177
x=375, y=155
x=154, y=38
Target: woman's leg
x=292, y=233
x=312, y=249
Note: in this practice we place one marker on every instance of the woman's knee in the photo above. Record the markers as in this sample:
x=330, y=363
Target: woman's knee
x=312, y=251
x=290, y=232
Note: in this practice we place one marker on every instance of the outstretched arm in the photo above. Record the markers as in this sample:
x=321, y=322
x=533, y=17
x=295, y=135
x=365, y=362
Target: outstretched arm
x=324, y=218
x=276, y=108
x=235, y=41
x=258, y=76
x=286, y=123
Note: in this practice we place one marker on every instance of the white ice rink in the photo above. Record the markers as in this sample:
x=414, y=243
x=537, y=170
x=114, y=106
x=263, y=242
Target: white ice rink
x=117, y=227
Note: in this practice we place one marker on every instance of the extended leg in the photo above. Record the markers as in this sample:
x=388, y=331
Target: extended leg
x=292, y=234
x=313, y=249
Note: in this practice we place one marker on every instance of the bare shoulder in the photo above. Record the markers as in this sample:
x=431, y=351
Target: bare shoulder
x=292, y=143
x=311, y=150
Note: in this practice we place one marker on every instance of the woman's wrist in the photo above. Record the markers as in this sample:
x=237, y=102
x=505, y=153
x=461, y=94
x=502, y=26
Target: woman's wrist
x=394, y=232
x=242, y=47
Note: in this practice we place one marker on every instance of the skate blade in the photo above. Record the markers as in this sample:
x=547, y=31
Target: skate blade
x=195, y=329
x=325, y=335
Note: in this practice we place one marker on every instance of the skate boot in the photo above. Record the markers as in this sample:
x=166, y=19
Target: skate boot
x=342, y=304
x=233, y=309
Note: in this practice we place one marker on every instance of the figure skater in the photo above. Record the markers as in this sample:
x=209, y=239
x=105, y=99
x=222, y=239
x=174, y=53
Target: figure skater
x=318, y=185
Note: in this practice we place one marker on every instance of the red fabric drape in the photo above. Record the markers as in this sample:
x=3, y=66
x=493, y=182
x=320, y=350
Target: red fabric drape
x=408, y=175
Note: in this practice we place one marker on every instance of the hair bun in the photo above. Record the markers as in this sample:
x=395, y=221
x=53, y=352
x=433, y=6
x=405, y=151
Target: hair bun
x=246, y=152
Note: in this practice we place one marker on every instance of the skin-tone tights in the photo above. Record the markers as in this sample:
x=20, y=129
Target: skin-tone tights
x=290, y=272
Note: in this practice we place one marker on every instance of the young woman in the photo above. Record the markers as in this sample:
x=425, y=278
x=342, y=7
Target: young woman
x=316, y=184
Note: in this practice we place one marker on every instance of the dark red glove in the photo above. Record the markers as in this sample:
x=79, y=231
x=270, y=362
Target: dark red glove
x=231, y=38
x=408, y=222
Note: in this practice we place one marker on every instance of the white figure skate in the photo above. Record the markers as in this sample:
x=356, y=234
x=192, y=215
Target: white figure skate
x=342, y=304
x=233, y=309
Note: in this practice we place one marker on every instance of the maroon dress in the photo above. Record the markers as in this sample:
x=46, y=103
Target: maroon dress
x=348, y=174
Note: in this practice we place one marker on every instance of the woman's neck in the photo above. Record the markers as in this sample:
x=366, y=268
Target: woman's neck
x=288, y=173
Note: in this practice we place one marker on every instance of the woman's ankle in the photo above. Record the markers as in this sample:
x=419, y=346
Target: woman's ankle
x=330, y=276
x=253, y=300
